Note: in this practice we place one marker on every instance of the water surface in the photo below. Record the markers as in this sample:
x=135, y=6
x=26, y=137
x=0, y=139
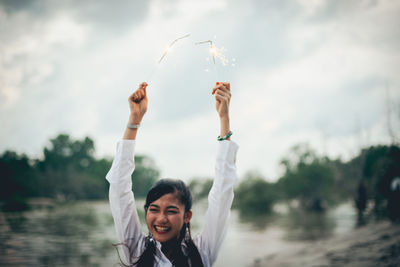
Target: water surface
x=82, y=234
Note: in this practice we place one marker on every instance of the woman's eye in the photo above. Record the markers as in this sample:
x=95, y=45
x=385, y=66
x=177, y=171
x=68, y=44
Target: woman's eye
x=172, y=212
x=153, y=210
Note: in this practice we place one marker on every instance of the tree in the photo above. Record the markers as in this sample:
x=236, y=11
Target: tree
x=64, y=152
x=307, y=178
x=381, y=165
x=18, y=178
x=254, y=195
x=67, y=169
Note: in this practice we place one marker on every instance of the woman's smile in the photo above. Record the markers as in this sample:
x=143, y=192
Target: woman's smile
x=162, y=229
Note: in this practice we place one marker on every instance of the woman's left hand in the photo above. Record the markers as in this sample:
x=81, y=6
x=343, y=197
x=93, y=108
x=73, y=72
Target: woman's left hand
x=222, y=92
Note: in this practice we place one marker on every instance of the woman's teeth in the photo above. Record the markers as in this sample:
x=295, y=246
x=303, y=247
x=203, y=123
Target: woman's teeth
x=162, y=229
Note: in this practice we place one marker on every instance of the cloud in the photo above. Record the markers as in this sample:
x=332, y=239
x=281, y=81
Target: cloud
x=313, y=71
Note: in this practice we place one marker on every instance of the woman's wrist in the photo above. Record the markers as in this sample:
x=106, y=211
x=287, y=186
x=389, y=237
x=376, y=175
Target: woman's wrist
x=225, y=126
x=134, y=122
x=134, y=119
x=130, y=134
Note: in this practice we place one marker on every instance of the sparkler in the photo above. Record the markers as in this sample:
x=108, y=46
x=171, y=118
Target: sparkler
x=170, y=47
x=216, y=52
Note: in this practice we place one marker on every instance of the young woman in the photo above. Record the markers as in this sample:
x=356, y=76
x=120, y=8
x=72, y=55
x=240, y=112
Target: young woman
x=168, y=203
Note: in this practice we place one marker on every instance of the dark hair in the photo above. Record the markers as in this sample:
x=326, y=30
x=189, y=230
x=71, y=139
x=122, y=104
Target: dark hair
x=159, y=189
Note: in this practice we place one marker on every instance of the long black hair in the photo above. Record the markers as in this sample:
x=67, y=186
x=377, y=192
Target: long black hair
x=179, y=188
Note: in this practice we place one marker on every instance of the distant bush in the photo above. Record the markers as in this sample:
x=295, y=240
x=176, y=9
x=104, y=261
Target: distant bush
x=307, y=178
x=254, y=195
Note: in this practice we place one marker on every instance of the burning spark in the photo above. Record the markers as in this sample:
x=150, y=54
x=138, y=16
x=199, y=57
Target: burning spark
x=216, y=52
x=169, y=48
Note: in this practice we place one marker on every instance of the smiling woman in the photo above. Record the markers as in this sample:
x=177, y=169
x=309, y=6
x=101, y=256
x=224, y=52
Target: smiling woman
x=169, y=202
x=166, y=215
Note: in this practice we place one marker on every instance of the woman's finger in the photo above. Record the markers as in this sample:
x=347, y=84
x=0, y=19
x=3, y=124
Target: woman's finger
x=222, y=93
x=143, y=85
x=225, y=93
x=224, y=89
x=217, y=87
x=227, y=85
x=221, y=98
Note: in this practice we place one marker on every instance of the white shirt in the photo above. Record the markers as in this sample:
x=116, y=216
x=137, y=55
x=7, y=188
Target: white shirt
x=126, y=219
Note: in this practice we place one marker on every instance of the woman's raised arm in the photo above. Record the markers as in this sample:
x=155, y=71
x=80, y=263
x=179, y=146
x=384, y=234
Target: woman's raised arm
x=221, y=194
x=122, y=202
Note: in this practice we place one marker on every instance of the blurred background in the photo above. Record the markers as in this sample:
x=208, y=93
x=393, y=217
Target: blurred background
x=315, y=110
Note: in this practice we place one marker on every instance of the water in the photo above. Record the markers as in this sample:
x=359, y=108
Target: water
x=81, y=234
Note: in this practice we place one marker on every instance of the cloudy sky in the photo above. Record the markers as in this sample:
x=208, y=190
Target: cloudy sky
x=315, y=71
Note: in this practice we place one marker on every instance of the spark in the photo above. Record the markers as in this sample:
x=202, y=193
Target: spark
x=216, y=52
x=169, y=48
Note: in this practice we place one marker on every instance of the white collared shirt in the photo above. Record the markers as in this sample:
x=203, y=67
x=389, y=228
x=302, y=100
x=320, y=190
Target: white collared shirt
x=126, y=219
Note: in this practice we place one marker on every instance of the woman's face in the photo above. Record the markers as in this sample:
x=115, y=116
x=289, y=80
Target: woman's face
x=165, y=217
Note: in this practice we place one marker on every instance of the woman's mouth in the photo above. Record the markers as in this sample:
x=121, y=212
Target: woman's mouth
x=161, y=229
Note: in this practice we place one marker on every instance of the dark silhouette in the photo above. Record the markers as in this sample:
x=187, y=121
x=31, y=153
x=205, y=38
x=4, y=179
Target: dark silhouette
x=394, y=200
x=361, y=202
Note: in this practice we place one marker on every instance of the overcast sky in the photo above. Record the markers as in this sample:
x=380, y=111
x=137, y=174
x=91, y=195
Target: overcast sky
x=313, y=71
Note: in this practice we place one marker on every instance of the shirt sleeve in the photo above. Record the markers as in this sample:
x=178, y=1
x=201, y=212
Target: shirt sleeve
x=219, y=200
x=122, y=202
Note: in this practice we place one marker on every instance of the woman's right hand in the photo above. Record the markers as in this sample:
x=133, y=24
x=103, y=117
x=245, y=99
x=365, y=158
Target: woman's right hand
x=138, y=104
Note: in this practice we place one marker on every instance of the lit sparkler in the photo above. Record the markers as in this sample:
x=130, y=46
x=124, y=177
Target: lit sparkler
x=170, y=47
x=216, y=52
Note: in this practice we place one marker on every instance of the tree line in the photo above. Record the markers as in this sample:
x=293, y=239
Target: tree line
x=70, y=171
x=316, y=183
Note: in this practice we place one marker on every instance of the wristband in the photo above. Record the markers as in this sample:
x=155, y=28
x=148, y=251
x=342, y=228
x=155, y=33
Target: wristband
x=133, y=126
x=225, y=137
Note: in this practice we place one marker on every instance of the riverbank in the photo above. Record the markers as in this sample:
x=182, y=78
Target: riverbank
x=376, y=244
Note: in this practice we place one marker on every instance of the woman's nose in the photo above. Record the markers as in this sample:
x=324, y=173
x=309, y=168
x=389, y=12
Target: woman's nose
x=163, y=218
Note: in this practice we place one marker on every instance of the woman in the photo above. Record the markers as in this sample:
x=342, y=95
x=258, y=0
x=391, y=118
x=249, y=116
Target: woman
x=168, y=203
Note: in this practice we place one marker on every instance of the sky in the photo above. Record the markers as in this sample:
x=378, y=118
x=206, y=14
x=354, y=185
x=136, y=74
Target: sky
x=301, y=71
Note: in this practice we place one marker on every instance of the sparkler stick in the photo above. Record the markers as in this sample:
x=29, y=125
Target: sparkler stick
x=170, y=46
x=165, y=53
x=213, y=50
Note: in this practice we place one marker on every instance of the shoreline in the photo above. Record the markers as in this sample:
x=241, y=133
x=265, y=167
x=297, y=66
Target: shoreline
x=375, y=244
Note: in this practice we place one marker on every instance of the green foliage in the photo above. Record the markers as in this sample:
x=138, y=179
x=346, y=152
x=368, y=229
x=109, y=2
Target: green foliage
x=347, y=177
x=307, y=177
x=64, y=152
x=68, y=170
x=18, y=178
x=381, y=165
x=255, y=195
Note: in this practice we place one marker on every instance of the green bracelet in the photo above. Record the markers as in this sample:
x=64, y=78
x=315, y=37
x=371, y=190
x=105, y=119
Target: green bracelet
x=225, y=137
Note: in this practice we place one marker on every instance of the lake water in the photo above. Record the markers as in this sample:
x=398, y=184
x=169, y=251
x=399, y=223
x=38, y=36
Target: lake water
x=82, y=234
